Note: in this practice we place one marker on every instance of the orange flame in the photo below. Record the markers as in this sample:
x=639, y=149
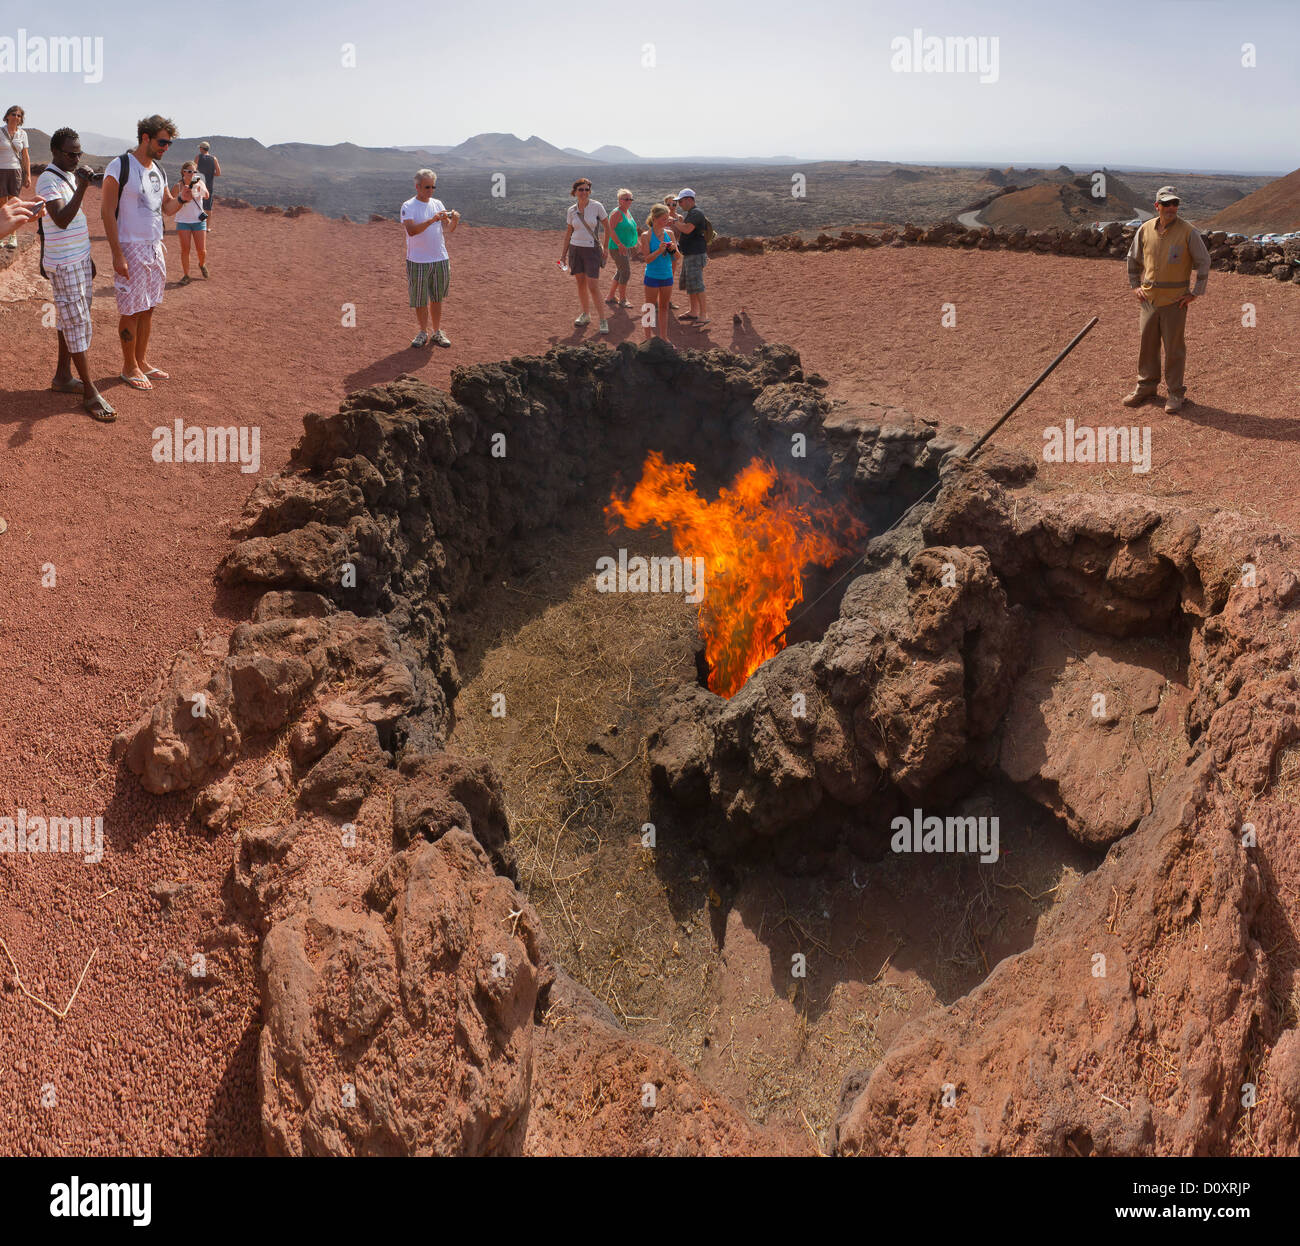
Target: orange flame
x=756, y=540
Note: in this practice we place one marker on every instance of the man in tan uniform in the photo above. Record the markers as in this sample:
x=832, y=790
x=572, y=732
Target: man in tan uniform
x=1159, y=270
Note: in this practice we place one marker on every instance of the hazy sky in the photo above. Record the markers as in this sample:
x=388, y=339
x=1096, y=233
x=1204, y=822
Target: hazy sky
x=1157, y=83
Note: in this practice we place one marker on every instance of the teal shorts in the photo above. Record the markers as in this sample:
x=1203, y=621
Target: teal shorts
x=191, y=227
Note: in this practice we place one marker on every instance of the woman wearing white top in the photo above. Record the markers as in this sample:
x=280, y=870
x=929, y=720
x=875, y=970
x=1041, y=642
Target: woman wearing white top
x=191, y=220
x=15, y=162
x=585, y=236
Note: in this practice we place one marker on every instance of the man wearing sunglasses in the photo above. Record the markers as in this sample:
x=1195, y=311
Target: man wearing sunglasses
x=1160, y=262
x=134, y=201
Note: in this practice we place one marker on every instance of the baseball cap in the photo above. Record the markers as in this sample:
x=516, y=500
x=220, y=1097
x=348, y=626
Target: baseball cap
x=688, y=193
x=1167, y=194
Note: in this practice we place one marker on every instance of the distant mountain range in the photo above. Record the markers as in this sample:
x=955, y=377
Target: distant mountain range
x=508, y=150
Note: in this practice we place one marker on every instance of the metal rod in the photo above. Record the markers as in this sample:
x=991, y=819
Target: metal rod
x=970, y=454
x=1046, y=372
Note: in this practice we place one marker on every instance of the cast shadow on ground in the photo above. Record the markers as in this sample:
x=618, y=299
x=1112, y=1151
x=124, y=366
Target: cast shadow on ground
x=235, y=1109
x=1241, y=424
x=30, y=405
x=410, y=359
x=745, y=339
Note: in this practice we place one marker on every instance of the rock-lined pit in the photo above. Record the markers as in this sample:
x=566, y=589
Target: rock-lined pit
x=400, y=958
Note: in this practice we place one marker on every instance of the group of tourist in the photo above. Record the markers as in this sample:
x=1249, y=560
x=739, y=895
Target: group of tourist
x=676, y=231
x=676, y=235
x=134, y=201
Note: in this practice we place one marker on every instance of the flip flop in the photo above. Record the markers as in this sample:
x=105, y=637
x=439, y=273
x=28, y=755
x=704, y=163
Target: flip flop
x=688, y=316
x=699, y=324
x=159, y=373
x=73, y=386
x=135, y=382
x=99, y=409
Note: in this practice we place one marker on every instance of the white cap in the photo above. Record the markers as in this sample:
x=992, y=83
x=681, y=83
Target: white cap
x=688, y=193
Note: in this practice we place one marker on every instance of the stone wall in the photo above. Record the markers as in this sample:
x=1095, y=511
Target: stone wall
x=1228, y=253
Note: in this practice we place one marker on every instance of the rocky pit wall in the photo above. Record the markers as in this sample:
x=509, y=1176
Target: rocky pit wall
x=410, y=1000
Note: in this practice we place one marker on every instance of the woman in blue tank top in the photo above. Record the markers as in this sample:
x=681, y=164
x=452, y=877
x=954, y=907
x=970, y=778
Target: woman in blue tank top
x=656, y=247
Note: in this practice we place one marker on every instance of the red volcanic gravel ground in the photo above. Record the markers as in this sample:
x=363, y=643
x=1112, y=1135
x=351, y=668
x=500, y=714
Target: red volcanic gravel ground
x=151, y=1059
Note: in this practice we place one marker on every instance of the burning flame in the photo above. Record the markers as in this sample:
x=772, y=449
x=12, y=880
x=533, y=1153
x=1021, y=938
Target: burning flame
x=756, y=540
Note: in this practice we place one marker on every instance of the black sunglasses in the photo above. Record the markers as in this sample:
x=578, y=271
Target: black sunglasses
x=164, y=142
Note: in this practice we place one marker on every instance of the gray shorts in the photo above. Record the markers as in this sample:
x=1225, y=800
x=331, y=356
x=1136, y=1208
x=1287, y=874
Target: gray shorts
x=584, y=261
x=693, y=272
x=10, y=181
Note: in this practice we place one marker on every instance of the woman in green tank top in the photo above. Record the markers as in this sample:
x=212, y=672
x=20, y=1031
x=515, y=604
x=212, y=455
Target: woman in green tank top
x=623, y=236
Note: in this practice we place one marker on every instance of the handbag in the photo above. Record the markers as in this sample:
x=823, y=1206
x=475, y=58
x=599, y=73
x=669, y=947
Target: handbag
x=602, y=252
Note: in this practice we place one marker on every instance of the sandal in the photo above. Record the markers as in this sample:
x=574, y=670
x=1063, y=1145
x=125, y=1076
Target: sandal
x=700, y=323
x=688, y=316
x=159, y=373
x=73, y=386
x=135, y=382
x=99, y=409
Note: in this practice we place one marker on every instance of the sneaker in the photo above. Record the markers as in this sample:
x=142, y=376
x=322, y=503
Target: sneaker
x=613, y=302
x=440, y=339
x=421, y=339
x=1137, y=397
x=203, y=268
x=604, y=327
x=582, y=320
x=626, y=303
x=185, y=280
x=1173, y=404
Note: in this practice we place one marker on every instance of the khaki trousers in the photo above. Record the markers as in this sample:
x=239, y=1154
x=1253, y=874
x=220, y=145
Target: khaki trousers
x=1162, y=326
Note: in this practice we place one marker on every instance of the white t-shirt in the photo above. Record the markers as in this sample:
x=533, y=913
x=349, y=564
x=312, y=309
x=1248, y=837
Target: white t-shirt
x=139, y=213
x=10, y=159
x=584, y=226
x=191, y=211
x=430, y=246
x=62, y=246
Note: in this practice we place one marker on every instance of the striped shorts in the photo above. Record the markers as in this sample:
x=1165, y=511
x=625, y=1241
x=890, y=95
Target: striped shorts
x=427, y=283
x=73, y=290
x=142, y=289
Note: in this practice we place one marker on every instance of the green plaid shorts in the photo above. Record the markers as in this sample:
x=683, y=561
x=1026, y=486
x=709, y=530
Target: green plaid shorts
x=427, y=283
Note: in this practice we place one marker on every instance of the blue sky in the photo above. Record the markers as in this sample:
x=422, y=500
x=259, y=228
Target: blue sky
x=1159, y=83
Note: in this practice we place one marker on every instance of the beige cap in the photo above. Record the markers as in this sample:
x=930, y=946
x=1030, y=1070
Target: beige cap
x=1167, y=194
